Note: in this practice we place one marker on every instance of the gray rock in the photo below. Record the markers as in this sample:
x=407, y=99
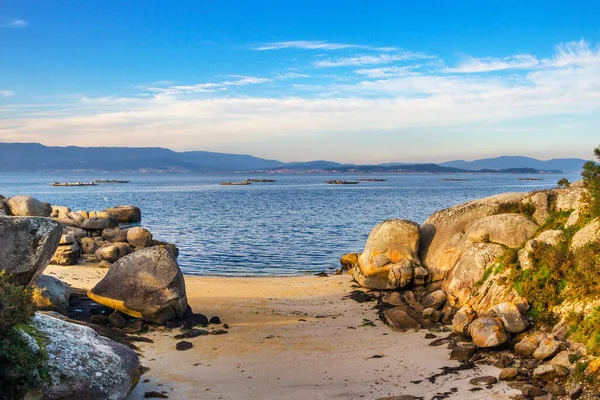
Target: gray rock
x=548, y=348
x=98, y=224
x=113, y=252
x=146, y=284
x=27, y=206
x=462, y=319
x=51, y=294
x=463, y=352
x=60, y=211
x=511, y=317
x=83, y=365
x=27, y=245
x=588, y=234
x=483, y=380
x=115, y=234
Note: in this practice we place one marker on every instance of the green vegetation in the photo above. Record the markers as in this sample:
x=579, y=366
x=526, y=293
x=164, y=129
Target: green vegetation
x=563, y=183
x=21, y=369
x=586, y=329
x=591, y=179
x=526, y=209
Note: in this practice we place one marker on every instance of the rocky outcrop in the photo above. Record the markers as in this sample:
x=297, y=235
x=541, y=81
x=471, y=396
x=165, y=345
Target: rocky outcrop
x=27, y=206
x=51, y=294
x=390, y=256
x=552, y=237
x=146, y=284
x=82, y=365
x=125, y=214
x=28, y=244
x=510, y=230
x=588, y=234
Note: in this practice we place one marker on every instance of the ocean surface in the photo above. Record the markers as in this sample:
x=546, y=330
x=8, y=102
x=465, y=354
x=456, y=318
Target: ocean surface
x=297, y=225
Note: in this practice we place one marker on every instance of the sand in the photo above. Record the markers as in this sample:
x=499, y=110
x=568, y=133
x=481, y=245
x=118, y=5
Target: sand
x=291, y=338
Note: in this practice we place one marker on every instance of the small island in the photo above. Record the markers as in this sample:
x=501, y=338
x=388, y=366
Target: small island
x=339, y=182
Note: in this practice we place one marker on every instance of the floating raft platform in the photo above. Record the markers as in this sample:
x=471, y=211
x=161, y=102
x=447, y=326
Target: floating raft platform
x=337, y=182
x=72, y=184
x=110, y=181
x=241, y=183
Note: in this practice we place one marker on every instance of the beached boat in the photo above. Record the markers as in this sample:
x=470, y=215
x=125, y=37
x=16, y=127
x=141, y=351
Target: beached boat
x=72, y=184
x=230, y=183
x=110, y=181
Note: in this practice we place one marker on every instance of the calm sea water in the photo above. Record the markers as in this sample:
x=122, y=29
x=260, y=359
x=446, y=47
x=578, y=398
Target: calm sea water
x=296, y=225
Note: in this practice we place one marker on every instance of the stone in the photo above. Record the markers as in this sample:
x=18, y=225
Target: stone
x=586, y=235
x=99, y=215
x=98, y=224
x=115, y=234
x=392, y=298
x=77, y=233
x=483, y=380
x=548, y=348
x=576, y=392
x=349, y=260
x=75, y=216
x=508, y=374
x=546, y=372
x=139, y=237
x=448, y=313
x=60, y=211
x=551, y=237
x=463, y=352
x=183, y=345
x=487, y=332
x=399, y=320
x=573, y=219
x=443, y=230
x=526, y=347
x=510, y=230
x=66, y=254
x=104, y=264
x=462, y=319
x=390, y=255
x=531, y=391
x=28, y=244
x=117, y=319
x=540, y=201
x=91, y=245
x=568, y=199
x=27, y=206
x=420, y=276
x=84, y=365
x=555, y=389
x=83, y=213
x=434, y=299
x=593, y=368
x=432, y=314
x=66, y=239
x=146, y=284
x=511, y=317
x=134, y=326
x=562, y=358
x=125, y=214
x=51, y=294
x=113, y=252
x=214, y=320
x=99, y=319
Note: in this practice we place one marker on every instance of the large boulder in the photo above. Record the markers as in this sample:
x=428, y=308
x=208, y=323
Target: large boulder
x=66, y=254
x=586, y=235
x=139, y=237
x=511, y=317
x=540, y=200
x=568, y=199
x=60, y=211
x=390, y=255
x=27, y=245
x=27, y=206
x=113, y=252
x=51, y=294
x=91, y=245
x=98, y=224
x=510, y=230
x=487, y=332
x=115, y=234
x=441, y=232
x=146, y=284
x=125, y=214
x=463, y=319
x=83, y=365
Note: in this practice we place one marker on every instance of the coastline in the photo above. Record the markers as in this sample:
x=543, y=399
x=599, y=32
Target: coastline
x=293, y=338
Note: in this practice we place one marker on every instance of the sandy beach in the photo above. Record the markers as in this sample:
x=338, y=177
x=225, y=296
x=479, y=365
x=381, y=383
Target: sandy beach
x=292, y=338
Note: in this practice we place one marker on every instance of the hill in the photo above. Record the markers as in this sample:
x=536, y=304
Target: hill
x=567, y=165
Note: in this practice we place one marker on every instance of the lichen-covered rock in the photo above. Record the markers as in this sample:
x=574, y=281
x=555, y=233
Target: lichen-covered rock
x=511, y=317
x=510, y=230
x=487, y=332
x=551, y=237
x=27, y=206
x=548, y=348
x=83, y=365
x=125, y=214
x=526, y=347
x=27, y=245
x=462, y=319
x=588, y=234
x=146, y=284
x=139, y=237
x=442, y=231
x=66, y=254
x=51, y=294
x=390, y=255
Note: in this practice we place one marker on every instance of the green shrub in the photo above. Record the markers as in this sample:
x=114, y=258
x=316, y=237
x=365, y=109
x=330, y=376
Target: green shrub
x=563, y=183
x=586, y=330
x=591, y=179
x=21, y=369
x=527, y=209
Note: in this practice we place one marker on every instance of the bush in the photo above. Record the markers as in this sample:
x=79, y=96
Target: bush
x=21, y=369
x=586, y=329
x=591, y=179
x=563, y=183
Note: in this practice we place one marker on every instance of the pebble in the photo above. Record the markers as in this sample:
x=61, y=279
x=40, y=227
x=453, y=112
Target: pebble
x=183, y=345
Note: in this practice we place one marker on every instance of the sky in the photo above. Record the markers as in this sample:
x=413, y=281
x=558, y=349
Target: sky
x=363, y=81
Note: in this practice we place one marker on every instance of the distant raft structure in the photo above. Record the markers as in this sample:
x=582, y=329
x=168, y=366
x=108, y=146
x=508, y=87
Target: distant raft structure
x=240, y=183
x=72, y=184
x=529, y=179
x=338, y=182
x=372, y=180
x=260, y=180
x=110, y=181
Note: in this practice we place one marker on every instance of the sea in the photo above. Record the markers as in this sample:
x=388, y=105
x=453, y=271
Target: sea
x=295, y=226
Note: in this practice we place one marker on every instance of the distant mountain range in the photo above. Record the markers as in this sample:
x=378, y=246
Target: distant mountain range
x=35, y=157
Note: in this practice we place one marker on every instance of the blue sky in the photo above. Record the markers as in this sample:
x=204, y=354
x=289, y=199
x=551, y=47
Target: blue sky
x=352, y=81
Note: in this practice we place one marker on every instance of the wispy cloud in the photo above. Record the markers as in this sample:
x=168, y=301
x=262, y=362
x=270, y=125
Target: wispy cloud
x=317, y=45
x=386, y=72
x=488, y=64
x=6, y=22
x=369, y=59
x=6, y=93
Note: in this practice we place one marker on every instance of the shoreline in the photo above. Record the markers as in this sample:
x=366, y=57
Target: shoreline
x=293, y=338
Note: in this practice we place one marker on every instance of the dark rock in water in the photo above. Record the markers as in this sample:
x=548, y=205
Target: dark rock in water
x=192, y=333
x=146, y=284
x=218, y=332
x=183, y=345
x=214, y=320
x=483, y=380
x=463, y=352
x=134, y=326
x=155, y=395
x=99, y=319
x=117, y=320
x=28, y=244
x=361, y=297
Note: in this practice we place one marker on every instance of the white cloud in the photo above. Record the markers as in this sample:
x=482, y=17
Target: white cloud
x=317, y=45
x=245, y=80
x=386, y=72
x=6, y=93
x=12, y=23
x=369, y=59
x=488, y=64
